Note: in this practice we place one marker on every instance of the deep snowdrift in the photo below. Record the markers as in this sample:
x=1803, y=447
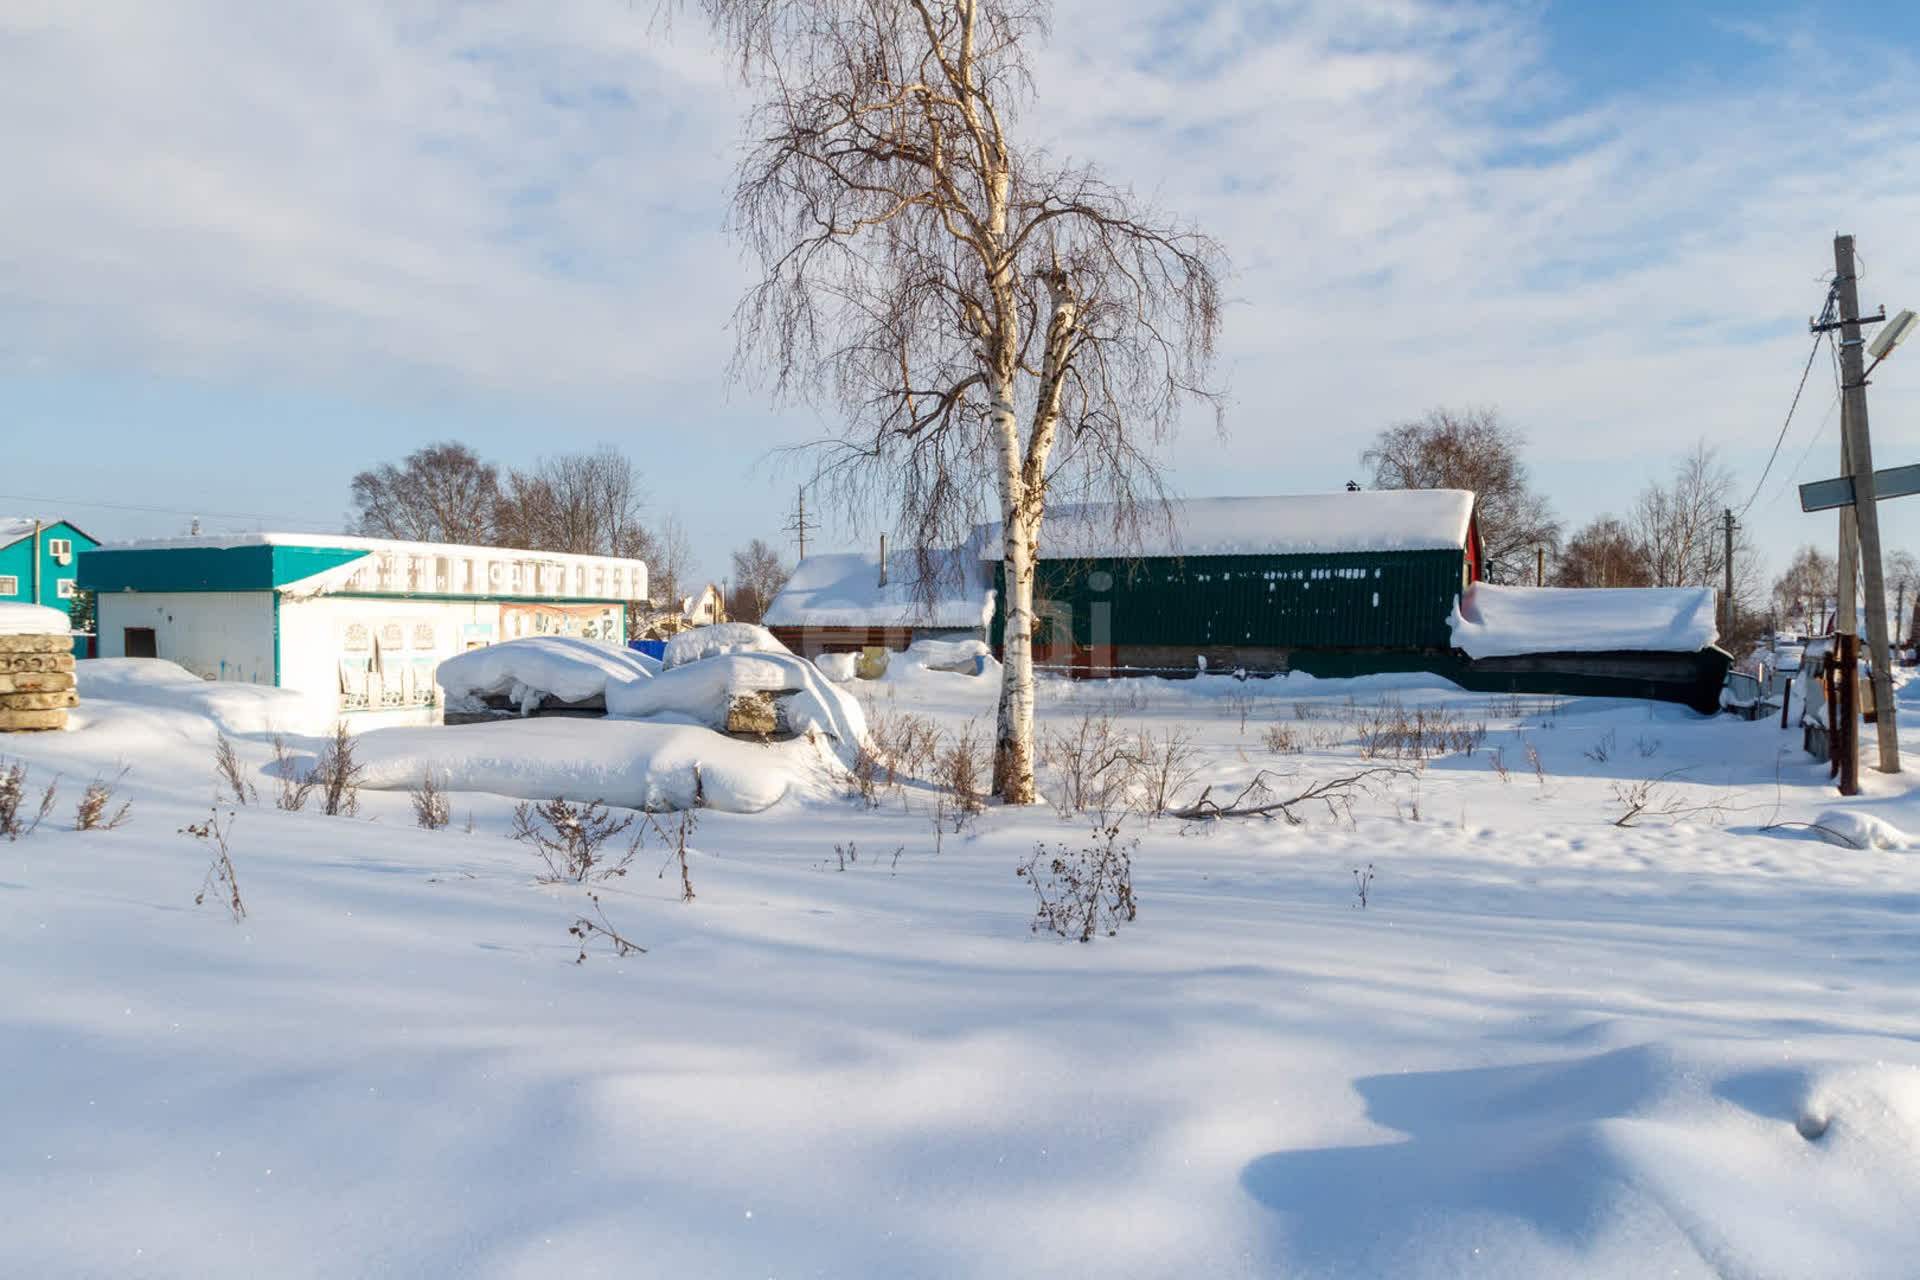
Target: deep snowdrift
x=1546, y=1046
x=110, y=686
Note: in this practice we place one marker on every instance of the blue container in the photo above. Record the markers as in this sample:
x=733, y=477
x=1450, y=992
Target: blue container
x=656, y=649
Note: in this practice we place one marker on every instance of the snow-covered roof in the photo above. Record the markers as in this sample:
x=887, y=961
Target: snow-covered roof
x=33, y=620
x=14, y=528
x=1493, y=622
x=1284, y=524
x=383, y=565
x=332, y=541
x=843, y=590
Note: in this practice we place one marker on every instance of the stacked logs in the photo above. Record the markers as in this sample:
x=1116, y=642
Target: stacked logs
x=36, y=681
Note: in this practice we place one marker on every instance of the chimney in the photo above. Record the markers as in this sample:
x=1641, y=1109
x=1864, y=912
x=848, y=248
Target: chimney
x=883, y=559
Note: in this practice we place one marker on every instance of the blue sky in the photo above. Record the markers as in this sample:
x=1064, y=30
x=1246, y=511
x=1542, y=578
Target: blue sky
x=243, y=257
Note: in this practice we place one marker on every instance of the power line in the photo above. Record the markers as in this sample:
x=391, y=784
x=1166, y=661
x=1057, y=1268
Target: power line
x=1819, y=434
x=44, y=500
x=1781, y=438
x=1826, y=314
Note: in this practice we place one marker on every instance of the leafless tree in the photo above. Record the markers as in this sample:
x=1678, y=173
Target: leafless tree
x=442, y=493
x=1677, y=526
x=1903, y=578
x=584, y=503
x=1472, y=449
x=997, y=327
x=1805, y=592
x=1603, y=554
x=758, y=575
x=670, y=567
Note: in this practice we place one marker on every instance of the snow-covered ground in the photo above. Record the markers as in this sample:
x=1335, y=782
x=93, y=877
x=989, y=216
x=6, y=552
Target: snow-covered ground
x=1546, y=1046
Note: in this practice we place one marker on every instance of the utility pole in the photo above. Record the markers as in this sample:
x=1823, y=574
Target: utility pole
x=1858, y=462
x=1726, y=597
x=1539, y=566
x=798, y=525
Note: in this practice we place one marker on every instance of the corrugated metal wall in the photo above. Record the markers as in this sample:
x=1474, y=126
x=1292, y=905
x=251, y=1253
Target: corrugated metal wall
x=1385, y=599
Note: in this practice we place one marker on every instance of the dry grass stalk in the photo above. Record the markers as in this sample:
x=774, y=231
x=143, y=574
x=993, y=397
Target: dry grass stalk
x=1086, y=891
x=568, y=838
x=13, y=799
x=296, y=783
x=1163, y=767
x=431, y=808
x=228, y=770
x=91, y=813
x=586, y=930
x=679, y=840
x=337, y=775
x=958, y=771
x=220, y=878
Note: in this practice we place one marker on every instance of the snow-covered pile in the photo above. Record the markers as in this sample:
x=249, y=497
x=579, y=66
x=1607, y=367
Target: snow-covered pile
x=701, y=693
x=844, y=590
x=630, y=763
x=963, y=656
x=722, y=637
x=1287, y=524
x=838, y=667
x=33, y=620
x=1861, y=830
x=1491, y=622
x=526, y=671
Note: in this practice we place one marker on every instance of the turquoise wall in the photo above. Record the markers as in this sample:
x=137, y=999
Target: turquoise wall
x=16, y=561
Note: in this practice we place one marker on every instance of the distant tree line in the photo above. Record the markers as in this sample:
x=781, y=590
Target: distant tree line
x=1671, y=536
x=578, y=503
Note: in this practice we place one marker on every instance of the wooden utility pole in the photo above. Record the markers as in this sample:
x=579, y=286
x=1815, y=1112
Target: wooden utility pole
x=1726, y=596
x=1539, y=566
x=1858, y=461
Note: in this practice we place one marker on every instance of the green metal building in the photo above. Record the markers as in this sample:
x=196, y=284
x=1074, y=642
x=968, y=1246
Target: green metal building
x=1333, y=583
x=1338, y=584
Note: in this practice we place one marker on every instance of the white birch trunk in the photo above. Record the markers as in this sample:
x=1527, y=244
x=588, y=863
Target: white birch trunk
x=1023, y=506
x=1013, y=739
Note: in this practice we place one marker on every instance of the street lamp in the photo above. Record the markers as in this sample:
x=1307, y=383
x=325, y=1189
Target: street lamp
x=1890, y=337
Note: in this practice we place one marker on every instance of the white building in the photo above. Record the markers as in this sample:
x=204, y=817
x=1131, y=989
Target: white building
x=358, y=624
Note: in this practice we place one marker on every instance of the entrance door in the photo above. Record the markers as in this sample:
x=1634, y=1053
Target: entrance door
x=140, y=643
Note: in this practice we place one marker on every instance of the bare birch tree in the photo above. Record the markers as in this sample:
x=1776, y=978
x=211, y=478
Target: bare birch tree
x=996, y=327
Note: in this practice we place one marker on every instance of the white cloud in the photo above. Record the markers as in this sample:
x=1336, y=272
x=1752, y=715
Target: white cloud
x=493, y=197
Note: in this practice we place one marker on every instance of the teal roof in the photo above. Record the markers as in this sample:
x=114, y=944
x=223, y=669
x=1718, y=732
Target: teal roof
x=256, y=567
